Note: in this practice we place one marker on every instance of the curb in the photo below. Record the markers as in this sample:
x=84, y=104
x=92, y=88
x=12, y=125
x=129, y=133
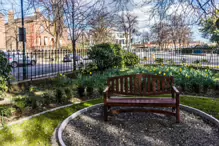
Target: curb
x=201, y=114
x=59, y=130
x=66, y=121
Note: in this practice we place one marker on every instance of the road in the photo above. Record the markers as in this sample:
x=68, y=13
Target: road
x=212, y=59
x=42, y=70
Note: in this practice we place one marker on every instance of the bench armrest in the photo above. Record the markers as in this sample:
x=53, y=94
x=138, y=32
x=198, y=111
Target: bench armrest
x=175, y=90
x=106, y=93
x=106, y=90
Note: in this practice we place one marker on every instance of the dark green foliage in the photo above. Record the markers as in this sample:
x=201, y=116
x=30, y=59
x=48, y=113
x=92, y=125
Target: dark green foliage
x=5, y=111
x=20, y=103
x=80, y=83
x=32, y=101
x=204, y=61
x=62, y=80
x=48, y=98
x=68, y=92
x=159, y=60
x=60, y=95
x=90, y=68
x=191, y=80
x=196, y=61
x=171, y=62
x=209, y=29
x=5, y=70
x=80, y=91
x=130, y=59
x=105, y=56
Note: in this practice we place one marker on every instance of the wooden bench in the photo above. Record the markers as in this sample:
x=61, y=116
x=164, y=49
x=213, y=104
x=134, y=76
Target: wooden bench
x=141, y=85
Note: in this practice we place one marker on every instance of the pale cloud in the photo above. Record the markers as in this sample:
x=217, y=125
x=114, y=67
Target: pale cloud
x=146, y=21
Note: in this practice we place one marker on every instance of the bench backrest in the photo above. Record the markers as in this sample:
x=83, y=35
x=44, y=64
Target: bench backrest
x=140, y=84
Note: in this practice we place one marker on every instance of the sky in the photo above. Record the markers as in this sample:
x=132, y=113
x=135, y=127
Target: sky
x=145, y=22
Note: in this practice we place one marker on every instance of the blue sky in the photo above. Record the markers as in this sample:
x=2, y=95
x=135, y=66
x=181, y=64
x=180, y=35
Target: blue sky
x=143, y=16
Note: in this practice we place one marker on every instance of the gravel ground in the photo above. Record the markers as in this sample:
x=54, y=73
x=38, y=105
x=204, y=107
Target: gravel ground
x=132, y=129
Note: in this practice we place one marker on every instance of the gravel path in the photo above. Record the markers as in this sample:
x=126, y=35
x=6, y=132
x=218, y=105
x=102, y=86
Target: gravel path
x=132, y=129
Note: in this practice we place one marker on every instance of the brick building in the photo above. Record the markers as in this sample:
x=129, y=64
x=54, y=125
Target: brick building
x=39, y=35
x=2, y=32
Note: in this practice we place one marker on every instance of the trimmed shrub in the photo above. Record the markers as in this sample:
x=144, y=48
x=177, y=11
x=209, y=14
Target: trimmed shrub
x=129, y=59
x=105, y=56
x=5, y=70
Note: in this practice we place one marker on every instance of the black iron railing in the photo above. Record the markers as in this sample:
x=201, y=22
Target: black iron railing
x=200, y=58
x=44, y=63
x=47, y=63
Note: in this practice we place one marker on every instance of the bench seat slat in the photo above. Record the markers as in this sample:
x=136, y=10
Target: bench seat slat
x=142, y=100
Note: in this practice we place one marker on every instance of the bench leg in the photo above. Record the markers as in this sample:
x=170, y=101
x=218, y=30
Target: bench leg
x=177, y=114
x=105, y=113
x=173, y=109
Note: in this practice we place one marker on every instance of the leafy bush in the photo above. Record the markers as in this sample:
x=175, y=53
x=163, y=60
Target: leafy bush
x=159, y=60
x=59, y=95
x=196, y=61
x=145, y=59
x=204, y=61
x=68, y=93
x=105, y=56
x=5, y=111
x=91, y=67
x=48, y=98
x=191, y=80
x=32, y=102
x=170, y=62
x=80, y=83
x=20, y=103
x=62, y=80
x=90, y=83
x=5, y=70
x=129, y=59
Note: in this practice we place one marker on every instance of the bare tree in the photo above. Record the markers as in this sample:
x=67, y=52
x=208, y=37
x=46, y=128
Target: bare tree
x=101, y=25
x=160, y=33
x=128, y=24
x=145, y=37
x=179, y=32
x=77, y=14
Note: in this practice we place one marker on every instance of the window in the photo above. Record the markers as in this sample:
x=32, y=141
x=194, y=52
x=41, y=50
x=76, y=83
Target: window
x=45, y=41
x=41, y=29
x=40, y=41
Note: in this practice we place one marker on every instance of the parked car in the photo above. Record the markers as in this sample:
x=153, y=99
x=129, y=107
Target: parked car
x=69, y=58
x=17, y=59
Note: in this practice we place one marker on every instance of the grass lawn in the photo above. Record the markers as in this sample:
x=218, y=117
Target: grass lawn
x=39, y=130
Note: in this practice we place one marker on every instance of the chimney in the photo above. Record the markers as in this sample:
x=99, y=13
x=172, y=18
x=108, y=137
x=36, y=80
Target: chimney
x=10, y=17
x=37, y=13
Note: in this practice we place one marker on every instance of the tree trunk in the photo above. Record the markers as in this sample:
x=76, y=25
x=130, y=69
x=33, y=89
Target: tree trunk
x=74, y=54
